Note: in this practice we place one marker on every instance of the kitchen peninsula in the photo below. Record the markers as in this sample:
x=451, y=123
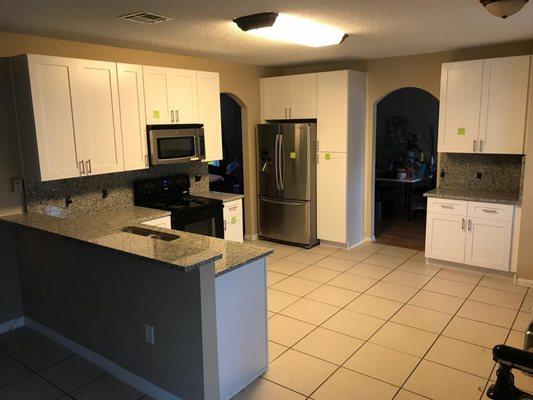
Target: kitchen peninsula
x=178, y=315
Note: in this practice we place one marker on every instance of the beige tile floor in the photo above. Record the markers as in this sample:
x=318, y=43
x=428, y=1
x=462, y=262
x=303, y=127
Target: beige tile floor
x=377, y=323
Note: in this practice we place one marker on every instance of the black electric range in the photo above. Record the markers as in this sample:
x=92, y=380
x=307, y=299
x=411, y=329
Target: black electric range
x=188, y=213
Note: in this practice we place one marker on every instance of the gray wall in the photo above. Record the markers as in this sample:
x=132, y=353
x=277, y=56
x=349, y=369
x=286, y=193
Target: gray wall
x=10, y=302
x=10, y=202
x=102, y=300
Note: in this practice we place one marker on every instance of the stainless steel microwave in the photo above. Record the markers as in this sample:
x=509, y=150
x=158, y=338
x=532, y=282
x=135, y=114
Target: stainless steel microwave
x=170, y=144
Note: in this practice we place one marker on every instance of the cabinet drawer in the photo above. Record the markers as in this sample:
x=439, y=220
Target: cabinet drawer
x=501, y=212
x=447, y=206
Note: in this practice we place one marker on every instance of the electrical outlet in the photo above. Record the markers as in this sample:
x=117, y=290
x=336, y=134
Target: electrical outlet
x=442, y=173
x=478, y=175
x=149, y=334
x=18, y=186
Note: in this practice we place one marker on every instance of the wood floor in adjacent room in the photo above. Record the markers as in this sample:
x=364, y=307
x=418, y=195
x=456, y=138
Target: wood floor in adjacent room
x=398, y=231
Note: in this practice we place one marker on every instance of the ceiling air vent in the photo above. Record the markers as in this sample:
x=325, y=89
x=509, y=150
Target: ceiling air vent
x=144, y=17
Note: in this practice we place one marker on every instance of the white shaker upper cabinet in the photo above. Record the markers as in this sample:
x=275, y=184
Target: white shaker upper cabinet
x=51, y=145
x=209, y=113
x=302, y=96
x=332, y=197
x=156, y=95
x=275, y=98
x=100, y=117
x=132, y=116
x=332, y=111
x=504, y=104
x=460, y=106
x=182, y=96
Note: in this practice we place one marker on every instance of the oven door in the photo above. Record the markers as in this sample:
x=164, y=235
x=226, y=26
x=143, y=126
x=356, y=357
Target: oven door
x=172, y=146
x=206, y=221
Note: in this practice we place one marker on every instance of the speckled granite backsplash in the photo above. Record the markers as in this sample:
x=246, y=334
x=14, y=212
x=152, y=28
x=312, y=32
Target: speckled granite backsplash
x=499, y=172
x=86, y=193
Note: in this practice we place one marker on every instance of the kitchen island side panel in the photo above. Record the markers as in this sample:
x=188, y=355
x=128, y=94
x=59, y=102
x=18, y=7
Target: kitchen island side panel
x=101, y=300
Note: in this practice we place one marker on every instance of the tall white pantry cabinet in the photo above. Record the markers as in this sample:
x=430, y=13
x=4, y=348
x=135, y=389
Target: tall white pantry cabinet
x=337, y=100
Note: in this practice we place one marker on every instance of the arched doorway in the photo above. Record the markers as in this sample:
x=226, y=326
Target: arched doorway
x=405, y=161
x=227, y=175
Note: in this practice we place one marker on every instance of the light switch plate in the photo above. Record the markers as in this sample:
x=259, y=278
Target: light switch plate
x=18, y=186
x=149, y=334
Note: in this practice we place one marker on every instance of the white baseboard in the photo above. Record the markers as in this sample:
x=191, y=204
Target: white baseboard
x=11, y=324
x=524, y=282
x=116, y=370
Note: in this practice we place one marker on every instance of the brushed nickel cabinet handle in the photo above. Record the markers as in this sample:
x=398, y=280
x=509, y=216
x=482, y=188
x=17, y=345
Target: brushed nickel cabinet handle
x=481, y=146
x=171, y=115
x=488, y=211
x=475, y=145
x=177, y=115
x=88, y=165
x=82, y=167
x=447, y=207
x=463, y=224
x=290, y=112
x=469, y=224
x=285, y=113
x=146, y=160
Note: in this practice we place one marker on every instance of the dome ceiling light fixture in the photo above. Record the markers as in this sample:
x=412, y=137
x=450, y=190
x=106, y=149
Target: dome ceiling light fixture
x=503, y=8
x=291, y=29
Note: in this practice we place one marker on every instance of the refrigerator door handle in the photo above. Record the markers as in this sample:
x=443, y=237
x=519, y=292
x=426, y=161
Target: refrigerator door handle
x=276, y=167
x=281, y=179
x=284, y=202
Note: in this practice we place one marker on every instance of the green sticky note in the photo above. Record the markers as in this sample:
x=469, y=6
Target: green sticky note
x=327, y=156
x=461, y=132
x=155, y=114
x=233, y=220
x=292, y=155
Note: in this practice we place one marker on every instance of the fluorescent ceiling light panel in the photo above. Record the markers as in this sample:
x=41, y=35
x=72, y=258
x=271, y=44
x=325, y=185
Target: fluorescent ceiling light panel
x=291, y=29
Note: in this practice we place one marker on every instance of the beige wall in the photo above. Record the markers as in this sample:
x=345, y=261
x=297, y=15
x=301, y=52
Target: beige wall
x=423, y=71
x=241, y=80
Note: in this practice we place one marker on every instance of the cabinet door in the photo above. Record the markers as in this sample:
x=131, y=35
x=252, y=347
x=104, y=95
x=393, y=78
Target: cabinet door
x=460, y=106
x=59, y=143
x=488, y=243
x=233, y=224
x=182, y=96
x=275, y=98
x=100, y=126
x=209, y=113
x=302, y=95
x=156, y=95
x=332, y=111
x=445, y=237
x=331, y=196
x=132, y=116
x=504, y=104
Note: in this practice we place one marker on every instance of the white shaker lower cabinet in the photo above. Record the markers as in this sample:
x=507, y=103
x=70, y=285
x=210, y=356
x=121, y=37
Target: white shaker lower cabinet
x=472, y=233
x=233, y=229
x=445, y=237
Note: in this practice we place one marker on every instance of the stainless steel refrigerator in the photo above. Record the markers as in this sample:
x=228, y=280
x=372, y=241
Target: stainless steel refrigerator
x=286, y=178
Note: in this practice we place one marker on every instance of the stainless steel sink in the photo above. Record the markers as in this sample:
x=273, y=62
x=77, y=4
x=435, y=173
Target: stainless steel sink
x=136, y=230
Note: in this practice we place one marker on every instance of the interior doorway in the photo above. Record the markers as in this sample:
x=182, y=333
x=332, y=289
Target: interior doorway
x=405, y=165
x=227, y=175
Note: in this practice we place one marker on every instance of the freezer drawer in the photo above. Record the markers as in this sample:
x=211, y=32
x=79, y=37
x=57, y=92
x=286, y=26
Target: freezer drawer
x=287, y=220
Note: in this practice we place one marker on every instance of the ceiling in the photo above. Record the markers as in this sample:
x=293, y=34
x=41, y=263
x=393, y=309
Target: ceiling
x=377, y=28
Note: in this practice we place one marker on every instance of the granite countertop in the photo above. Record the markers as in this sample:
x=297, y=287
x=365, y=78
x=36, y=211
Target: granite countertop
x=483, y=196
x=223, y=197
x=189, y=252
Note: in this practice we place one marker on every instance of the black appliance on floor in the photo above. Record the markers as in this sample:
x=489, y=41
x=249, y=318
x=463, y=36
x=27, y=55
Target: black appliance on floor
x=189, y=213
